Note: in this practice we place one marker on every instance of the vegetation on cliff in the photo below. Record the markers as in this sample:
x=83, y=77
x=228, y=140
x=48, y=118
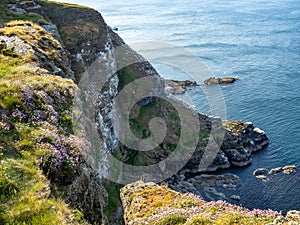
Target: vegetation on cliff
x=37, y=144
x=148, y=203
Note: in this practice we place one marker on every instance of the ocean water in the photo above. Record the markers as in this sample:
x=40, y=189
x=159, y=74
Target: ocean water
x=257, y=41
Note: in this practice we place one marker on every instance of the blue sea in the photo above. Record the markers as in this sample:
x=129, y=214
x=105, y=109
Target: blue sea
x=257, y=41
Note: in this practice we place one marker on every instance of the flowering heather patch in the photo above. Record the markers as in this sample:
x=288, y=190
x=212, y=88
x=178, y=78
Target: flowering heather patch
x=185, y=209
x=37, y=140
x=36, y=116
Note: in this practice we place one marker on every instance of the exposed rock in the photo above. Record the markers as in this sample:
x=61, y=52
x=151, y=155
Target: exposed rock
x=83, y=31
x=245, y=135
x=289, y=169
x=260, y=172
x=88, y=194
x=205, y=180
x=27, y=4
x=226, y=80
x=276, y=170
x=265, y=175
x=178, y=87
x=204, y=184
x=235, y=197
x=28, y=39
x=238, y=157
x=17, y=11
x=17, y=45
x=30, y=6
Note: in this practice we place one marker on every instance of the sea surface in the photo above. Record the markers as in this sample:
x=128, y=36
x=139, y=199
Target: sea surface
x=257, y=41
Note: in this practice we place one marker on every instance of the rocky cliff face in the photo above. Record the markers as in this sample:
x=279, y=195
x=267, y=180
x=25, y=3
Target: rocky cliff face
x=87, y=37
x=33, y=58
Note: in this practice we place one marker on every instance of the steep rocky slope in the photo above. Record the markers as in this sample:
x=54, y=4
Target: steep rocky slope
x=41, y=156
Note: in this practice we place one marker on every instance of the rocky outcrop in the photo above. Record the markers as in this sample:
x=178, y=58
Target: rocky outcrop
x=264, y=174
x=226, y=80
x=210, y=186
x=260, y=172
x=91, y=39
x=178, y=87
x=244, y=135
x=289, y=169
x=88, y=194
x=30, y=40
x=239, y=142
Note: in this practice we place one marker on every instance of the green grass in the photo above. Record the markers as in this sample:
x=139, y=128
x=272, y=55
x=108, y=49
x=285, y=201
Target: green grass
x=24, y=188
x=6, y=16
x=24, y=195
x=114, y=202
x=126, y=75
x=172, y=220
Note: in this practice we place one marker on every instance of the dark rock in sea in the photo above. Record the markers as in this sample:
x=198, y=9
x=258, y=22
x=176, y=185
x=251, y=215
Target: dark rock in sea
x=285, y=170
x=289, y=169
x=178, y=87
x=265, y=175
x=209, y=185
x=276, y=170
x=260, y=172
x=235, y=197
x=238, y=157
x=225, y=80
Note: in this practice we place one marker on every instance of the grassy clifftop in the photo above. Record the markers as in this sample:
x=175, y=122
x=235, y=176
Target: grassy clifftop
x=37, y=144
x=148, y=203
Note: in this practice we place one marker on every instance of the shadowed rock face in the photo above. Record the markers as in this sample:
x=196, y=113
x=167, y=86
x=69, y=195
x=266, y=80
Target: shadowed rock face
x=88, y=194
x=85, y=35
x=226, y=80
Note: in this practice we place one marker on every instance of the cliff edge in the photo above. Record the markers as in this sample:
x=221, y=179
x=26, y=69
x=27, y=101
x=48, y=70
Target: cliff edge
x=149, y=203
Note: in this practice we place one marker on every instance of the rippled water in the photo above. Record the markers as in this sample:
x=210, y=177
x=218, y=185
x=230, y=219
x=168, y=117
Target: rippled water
x=257, y=41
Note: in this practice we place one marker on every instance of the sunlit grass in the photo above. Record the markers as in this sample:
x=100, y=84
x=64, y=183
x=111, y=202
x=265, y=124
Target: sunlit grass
x=152, y=204
x=35, y=115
